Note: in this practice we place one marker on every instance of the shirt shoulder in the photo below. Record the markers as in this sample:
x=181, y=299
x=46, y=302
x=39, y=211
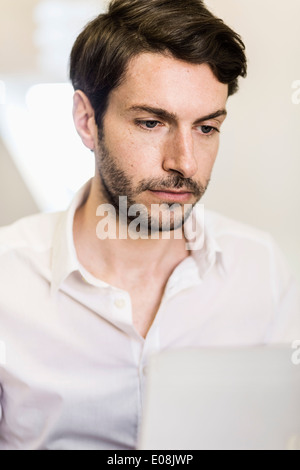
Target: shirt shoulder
x=245, y=245
x=252, y=253
x=34, y=232
x=227, y=229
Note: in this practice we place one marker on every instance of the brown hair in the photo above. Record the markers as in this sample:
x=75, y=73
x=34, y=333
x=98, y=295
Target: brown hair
x=183, y=28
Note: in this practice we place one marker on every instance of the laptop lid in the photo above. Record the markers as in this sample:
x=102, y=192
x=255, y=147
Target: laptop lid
x=247, y=398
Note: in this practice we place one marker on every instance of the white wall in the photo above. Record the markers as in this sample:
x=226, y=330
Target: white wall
x=256, y=178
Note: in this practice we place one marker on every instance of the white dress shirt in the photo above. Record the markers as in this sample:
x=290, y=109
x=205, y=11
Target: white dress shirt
x=73, y=367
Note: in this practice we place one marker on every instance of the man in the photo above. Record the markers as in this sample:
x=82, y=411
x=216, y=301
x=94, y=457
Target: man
x=88, y=295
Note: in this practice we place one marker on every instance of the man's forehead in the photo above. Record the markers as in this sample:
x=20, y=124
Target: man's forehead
x=164, y=81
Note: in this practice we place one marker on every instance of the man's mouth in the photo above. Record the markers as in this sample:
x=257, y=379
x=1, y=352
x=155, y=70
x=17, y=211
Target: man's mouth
x=173, y=195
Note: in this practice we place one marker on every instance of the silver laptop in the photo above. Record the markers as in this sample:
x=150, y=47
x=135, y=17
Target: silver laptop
x=222, y=399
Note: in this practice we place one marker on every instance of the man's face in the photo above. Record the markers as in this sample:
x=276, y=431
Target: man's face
x=160, y=135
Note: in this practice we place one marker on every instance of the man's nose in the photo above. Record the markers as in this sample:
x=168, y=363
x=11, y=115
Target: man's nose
x=179, y=153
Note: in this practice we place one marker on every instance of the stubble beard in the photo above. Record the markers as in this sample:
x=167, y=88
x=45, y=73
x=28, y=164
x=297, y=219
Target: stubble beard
x=116, y=183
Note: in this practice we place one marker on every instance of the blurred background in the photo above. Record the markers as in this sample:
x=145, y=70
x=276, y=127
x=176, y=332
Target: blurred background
x=42, y=160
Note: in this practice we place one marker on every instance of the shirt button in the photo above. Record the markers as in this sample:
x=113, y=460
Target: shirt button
x=120, y=303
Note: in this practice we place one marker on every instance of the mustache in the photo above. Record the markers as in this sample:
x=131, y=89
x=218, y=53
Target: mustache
x=174, y=182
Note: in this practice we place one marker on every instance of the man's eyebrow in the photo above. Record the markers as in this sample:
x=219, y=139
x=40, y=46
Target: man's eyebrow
x=167, y=116
x=221, y=112
x=161, y=113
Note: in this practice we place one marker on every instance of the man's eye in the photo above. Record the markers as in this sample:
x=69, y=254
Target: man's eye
x=148, y=124
x=208, y=130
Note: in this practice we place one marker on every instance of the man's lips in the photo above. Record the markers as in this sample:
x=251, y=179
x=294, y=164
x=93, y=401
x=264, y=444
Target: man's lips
x=179, y=195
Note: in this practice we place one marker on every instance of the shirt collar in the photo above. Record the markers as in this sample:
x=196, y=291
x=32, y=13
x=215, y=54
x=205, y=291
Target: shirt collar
x=201, y=241
x=204, y=248
x=64, y=257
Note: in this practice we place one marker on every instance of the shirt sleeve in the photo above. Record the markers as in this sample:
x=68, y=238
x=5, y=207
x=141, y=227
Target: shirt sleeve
x=285, y=327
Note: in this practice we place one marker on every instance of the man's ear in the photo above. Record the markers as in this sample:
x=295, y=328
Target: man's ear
x=84, y=119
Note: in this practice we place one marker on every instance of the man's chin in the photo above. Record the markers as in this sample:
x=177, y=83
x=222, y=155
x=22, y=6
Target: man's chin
x=155, y=225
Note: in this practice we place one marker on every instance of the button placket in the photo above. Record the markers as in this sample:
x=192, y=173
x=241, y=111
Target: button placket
x=151, y=346
x=120, y=303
